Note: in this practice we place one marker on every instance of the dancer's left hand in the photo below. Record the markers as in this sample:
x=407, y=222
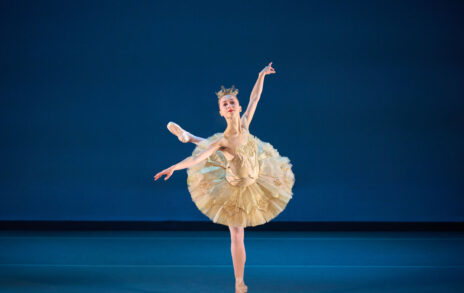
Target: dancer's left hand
x=268, y=69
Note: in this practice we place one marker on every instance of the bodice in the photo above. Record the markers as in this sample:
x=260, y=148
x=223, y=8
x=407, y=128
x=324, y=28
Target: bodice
x=243, y=169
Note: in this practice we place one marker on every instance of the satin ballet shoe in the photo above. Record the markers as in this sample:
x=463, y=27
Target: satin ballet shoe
x=181, y=134
x=240, y=286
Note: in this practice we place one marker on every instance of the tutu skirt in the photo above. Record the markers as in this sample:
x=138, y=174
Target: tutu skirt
x=235, y=205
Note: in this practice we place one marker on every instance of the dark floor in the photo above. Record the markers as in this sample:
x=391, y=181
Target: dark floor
x=152, y=261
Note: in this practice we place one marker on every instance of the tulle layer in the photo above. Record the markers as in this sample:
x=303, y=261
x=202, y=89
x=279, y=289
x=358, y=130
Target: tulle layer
x=252, y=205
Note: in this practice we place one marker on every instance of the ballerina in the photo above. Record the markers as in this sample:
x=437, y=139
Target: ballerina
x=234, y=178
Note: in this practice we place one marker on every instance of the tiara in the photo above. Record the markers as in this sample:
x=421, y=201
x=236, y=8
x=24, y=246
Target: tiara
x=224, y=91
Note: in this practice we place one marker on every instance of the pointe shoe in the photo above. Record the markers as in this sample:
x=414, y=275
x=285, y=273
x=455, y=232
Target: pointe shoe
x=240, y=287
x=181, y=134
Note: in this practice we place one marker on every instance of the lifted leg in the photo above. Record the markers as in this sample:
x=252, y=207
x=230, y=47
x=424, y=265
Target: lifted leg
x=183, y=135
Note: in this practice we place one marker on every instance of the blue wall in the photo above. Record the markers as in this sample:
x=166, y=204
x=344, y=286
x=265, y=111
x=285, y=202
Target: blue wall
x=367, y=103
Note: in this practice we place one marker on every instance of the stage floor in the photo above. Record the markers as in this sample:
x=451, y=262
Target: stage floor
x=163, y=261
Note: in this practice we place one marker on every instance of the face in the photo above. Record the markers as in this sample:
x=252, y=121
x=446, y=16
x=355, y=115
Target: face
x=229, y=106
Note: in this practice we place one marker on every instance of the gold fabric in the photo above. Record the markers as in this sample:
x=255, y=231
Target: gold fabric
x=250, y=190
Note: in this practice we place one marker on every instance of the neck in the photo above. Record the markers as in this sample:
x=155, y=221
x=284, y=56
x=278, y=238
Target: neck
x=234, y=126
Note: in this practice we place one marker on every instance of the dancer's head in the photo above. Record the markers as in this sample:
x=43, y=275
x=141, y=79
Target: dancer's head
x=228, y=102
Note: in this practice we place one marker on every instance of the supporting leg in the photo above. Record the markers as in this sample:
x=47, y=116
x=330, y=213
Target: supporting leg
x=238, y=256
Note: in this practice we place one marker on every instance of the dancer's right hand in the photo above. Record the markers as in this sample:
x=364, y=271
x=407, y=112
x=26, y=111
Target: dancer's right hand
x=168, y=172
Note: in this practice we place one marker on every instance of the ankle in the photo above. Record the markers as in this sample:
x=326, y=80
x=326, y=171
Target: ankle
x=188, y=135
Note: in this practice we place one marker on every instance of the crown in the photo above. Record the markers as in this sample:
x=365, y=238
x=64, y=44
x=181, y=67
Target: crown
x=224, y=91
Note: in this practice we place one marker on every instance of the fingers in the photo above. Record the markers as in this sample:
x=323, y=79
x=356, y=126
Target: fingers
x=157, y=176
x=270, y=69
x=164, y=172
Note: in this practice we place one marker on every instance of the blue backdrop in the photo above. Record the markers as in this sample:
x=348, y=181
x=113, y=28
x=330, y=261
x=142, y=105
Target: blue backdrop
x=367, y=103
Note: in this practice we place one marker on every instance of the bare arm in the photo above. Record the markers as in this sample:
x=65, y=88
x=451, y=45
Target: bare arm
x=256, y=93
x=191, y=161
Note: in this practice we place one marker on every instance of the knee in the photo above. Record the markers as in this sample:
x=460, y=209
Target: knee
x=236, y=239
x=236, y=235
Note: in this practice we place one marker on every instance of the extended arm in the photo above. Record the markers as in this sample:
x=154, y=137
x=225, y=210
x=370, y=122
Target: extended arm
x=190, y=161
x=256, y=93
x=193, y=160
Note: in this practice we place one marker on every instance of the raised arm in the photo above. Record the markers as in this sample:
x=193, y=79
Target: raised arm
x=256, y=93
x=191, y=161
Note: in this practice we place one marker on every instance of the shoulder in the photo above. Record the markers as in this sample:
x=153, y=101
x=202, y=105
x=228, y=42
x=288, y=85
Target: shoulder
x=244, y=118
x=245, y=123
x=219, y=142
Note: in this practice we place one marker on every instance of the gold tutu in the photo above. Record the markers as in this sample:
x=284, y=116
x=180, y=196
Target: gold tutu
x=250, y=190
